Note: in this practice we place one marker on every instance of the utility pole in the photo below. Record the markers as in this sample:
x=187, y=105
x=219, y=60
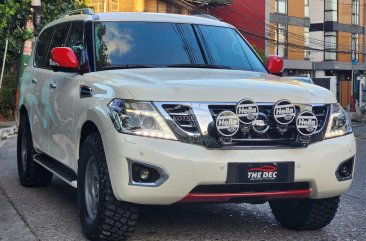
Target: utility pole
x=4, y=59
x=352, y=107
x=105, y=6
x=277, y=37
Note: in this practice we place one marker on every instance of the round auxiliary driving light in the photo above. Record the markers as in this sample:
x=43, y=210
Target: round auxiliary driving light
x=284, y=112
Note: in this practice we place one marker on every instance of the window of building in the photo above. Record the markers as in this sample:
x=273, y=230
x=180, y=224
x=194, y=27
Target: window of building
x=173, y=8
x=97, y=5
x=114, y=6
x=306, y=43
x=281, y=40
x=356, y=12
x=330, y=45
x=281, y=6
x=331, y=10
x=306, y=13
x=354, y=45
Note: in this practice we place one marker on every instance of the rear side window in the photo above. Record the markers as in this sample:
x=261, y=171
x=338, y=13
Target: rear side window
x=42, y=48
x=75, y=38
x=58, y=40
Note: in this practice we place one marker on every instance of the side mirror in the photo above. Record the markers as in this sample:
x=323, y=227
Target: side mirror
x=64, y=59
x=275, y=64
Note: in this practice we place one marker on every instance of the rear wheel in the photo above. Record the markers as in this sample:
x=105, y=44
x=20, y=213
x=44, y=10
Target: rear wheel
x=30, y=173
x=102, y=216
x=304, y=214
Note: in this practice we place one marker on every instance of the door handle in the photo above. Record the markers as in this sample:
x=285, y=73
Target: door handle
x=53, y=86
x=34, y=81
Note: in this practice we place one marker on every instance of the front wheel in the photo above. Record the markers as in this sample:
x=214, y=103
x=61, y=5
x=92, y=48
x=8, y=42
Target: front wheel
x=304, y=214
x=102, y=216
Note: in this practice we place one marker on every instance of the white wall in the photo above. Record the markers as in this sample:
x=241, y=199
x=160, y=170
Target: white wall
x=317, y=56
x=316, y=11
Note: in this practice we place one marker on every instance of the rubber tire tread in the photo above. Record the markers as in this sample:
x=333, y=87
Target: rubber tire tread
x=115, y=220
x=35, y=175
x=305, y=214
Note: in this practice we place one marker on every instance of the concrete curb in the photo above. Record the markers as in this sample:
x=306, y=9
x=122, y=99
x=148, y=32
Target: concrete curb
x=7, y=132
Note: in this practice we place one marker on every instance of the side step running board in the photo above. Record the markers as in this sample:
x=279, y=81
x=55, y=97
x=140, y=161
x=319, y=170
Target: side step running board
x=60, y=170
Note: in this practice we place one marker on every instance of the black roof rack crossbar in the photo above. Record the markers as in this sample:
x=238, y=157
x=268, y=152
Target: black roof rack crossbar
x=87, y=11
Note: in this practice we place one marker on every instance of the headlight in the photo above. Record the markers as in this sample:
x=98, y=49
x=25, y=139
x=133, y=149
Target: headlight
x=138, y=118
x=339, y=122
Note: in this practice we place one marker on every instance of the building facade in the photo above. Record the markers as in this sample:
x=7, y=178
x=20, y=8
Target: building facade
x=248, y=17
x=340, y=26
x=138, y=6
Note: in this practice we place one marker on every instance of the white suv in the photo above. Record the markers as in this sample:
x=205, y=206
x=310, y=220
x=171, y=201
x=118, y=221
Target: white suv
x=155, y=109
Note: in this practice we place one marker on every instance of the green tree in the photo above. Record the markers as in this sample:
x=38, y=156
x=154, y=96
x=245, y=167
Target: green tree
x=261, y=53
x=14, y=16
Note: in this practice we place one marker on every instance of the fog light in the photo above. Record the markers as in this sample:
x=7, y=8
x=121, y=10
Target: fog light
x=344, y=171
x=144, y=174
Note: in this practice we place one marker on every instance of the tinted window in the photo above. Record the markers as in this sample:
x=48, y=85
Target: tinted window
x=75, y=38
x=225, y=47
x=58, y=40
x=121, y=43
x=42, y=47
x=164, y=44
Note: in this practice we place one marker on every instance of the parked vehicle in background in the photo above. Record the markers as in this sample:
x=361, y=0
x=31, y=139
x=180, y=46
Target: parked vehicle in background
x=154, y=109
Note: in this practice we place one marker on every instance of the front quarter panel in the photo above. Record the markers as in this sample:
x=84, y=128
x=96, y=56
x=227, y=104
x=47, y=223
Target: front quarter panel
x=95, y=108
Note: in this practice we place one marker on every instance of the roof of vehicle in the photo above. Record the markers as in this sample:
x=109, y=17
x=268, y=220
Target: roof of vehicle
x=141, y=17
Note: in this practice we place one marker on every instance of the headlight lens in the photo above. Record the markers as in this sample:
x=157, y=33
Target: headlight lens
x=138, y=118
x=339, y=122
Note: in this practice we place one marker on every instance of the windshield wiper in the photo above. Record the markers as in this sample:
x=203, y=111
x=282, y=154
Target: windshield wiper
x=210, y=66
x=128, y=66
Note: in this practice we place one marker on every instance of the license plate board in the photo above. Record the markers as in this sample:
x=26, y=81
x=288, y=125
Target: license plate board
x=265, y=172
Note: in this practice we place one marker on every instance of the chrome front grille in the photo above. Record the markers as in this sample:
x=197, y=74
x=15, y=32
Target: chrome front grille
x=195, y=123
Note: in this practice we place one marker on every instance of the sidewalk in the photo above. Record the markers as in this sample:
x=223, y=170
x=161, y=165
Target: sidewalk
x=7, y=128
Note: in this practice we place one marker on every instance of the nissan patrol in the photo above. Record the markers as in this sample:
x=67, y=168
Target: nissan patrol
x=155, y=109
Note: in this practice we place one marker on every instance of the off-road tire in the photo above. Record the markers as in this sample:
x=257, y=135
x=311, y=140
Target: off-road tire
x=304, y=214
x=114, y=220
x=33, y=175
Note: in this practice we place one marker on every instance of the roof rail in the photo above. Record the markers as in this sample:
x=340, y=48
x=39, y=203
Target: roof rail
x=203, y=15
x=87, y=11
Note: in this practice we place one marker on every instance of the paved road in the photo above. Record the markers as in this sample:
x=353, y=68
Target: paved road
x=51, y=213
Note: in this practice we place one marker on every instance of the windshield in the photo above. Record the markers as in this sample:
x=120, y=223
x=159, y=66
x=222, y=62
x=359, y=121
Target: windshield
x=150, y=44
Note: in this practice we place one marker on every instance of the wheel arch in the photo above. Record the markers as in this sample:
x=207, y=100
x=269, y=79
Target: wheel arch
x=87, y=128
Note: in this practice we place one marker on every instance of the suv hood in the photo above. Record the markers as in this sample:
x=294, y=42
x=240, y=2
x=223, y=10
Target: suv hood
x=214, y=85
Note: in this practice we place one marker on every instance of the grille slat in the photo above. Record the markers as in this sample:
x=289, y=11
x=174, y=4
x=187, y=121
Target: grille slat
x=183, y=116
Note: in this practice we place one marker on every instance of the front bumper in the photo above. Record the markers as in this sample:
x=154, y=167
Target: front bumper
x=190, y=165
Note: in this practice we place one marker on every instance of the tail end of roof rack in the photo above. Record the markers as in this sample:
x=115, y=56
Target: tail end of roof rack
x=85, y=11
